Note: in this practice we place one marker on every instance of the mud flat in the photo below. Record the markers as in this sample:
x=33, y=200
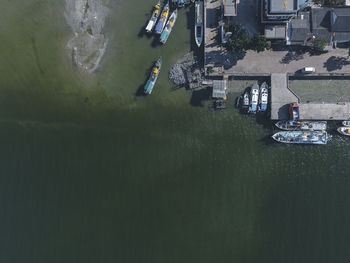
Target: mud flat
x=88, y=44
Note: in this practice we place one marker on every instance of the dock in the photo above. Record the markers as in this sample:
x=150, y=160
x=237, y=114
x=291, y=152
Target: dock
x=281, y=97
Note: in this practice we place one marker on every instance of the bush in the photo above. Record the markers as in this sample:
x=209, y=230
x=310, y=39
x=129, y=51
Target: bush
x=258, y=43
x=319, y=43
x=239, y=40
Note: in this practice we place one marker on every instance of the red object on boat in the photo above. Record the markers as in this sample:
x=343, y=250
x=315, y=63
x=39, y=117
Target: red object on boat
x=294, y=111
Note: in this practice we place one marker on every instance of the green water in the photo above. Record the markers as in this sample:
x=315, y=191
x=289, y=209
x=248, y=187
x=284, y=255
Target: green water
x=89, y=172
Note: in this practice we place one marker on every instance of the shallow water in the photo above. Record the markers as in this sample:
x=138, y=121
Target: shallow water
x=92, y=173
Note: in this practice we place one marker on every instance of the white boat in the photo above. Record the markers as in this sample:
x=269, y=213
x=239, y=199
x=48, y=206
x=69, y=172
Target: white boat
x=254, y=97
x=263, y=97
x=344, y=131
x=169, y=26
x=153, y=20
x=245, y=103
x=346, y=123
x=199, y=27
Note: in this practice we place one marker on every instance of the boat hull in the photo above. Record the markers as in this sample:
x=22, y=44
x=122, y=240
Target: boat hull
x=153, y=77
x=301, y=137
x=168, y=28
x=199, y=27
x=153, y=20
x=162, y=20
x=302, y=125
x=344, y=130
x=346, y=123
x=254, y=97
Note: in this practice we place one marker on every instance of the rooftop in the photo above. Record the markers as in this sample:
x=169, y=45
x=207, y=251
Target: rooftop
x=230, y=7
x=283, y=6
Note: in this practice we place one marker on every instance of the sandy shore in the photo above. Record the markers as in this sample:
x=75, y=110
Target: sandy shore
x=88, y=44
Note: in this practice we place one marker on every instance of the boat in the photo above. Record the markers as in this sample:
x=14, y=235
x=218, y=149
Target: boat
x=346, y=123
x=153, y=20
x=199, y=28
x=162, y=20
x=302, y=137
x=344, y=131
x=294, y=111
x=169, y=26
x=245, y=103
x=254, y=96
x=153, y=78
x=263, y=97
x=180, y=3
x=302, y=125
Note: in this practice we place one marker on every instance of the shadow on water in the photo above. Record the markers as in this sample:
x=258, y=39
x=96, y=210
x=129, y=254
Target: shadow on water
x=198, y=96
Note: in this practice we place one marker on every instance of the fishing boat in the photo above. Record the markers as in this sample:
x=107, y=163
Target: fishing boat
x=263, y=97
x=153, y=78
x=169, y=26
x=245, y=103
x=254, y=96
x=346, y=123
x=162, y=20
x=344, y=131
x=199, y=28
x=153, y=20
x=302, y=125
x=302, y=137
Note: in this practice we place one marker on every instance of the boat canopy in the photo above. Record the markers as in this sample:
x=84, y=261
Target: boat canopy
x=148, y=86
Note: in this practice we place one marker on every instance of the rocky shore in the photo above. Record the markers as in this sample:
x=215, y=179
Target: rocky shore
x=88, y=44
x=187, y=72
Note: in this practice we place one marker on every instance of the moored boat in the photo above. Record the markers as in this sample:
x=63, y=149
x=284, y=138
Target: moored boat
x=346, y=123
x=302, y=137
x=254, y=96
x=199, y=27
x=344, y=131
x=153, y=20
x=162, y=20
x=302, y=125
x=245, y=103
x=169, y=26
x=153, y=77
x=263, y=97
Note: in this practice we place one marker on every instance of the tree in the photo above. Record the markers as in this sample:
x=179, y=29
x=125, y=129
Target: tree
x=258, y=43
x=239, y=40
x=319, y=43
x=334, y=2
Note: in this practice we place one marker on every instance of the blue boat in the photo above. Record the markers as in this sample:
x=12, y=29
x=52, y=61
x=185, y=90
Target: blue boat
x=302, y=137
x=162, y=20
x=153, y=78
x=169, y=26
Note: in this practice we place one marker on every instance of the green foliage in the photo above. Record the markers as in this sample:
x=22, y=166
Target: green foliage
x=334, y=2
x=319, y=43
x=258, y=43
x=239, y=40
x=318, y=2
x=210, y=70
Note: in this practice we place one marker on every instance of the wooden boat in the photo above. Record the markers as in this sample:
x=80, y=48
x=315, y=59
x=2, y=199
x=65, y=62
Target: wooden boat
x=153, y=20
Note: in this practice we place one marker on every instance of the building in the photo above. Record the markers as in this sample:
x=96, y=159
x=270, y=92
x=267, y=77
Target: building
x=219, y=89
x=280, y=11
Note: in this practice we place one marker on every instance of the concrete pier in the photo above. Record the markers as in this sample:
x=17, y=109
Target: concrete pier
x=281, y=97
